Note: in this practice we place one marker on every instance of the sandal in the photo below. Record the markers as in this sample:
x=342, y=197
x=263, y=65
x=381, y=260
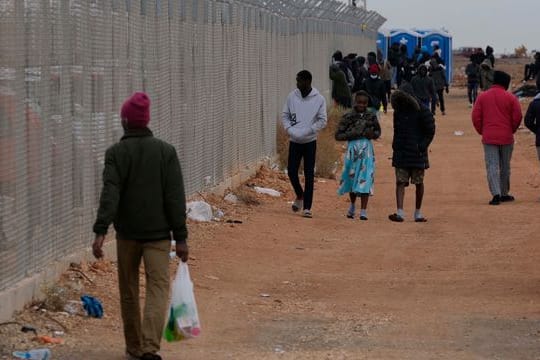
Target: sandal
x=395, y=217
x=362, y=217
x=420, y=219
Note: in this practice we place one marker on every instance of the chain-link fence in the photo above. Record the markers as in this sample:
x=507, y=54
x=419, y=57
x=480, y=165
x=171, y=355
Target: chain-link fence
x=217, y=73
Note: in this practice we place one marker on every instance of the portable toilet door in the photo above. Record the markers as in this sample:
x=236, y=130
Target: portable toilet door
x=407, y=37
x=444, y=41
x=382, y=43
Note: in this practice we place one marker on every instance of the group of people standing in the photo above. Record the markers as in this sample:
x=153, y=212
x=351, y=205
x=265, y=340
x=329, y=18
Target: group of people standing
x=480, y=72
x=423, y=72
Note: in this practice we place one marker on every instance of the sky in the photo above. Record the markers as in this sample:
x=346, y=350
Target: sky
x=503, y=24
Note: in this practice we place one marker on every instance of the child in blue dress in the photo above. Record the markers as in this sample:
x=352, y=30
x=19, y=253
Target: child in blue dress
x=358, y=128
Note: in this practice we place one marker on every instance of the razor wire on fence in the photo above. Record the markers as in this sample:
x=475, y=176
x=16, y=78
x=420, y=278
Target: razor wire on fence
x=217, y=73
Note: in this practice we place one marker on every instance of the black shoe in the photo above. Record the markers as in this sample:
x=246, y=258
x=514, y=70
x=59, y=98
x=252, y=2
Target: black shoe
x=496, y=200
x=150, y=356
x=506, y=198
x=130, y=356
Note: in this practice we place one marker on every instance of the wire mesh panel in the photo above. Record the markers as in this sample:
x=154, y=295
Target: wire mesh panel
x=217, y=74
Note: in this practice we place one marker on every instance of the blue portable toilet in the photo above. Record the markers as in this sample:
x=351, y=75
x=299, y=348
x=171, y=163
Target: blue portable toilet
x=444, y=41
x=383, y=42
x=409, y=38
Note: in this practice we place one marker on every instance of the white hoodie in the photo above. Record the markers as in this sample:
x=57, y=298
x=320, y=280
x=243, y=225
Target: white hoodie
x=302, y=117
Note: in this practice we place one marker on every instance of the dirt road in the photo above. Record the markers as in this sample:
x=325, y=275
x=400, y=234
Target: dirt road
x=464, y=285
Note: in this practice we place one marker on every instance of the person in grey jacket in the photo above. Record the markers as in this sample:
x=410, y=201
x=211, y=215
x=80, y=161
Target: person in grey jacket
x=304, y=115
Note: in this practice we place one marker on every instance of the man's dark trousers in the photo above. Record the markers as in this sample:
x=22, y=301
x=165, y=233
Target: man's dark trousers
x=297, y=152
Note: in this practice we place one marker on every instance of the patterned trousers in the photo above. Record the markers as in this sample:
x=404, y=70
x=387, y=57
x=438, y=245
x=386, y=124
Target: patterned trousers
x=497, y=159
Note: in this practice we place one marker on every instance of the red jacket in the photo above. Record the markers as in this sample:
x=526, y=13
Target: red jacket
x=496, y=116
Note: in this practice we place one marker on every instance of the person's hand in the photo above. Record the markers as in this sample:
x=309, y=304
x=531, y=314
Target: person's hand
x=182, y=251
x=97, y=246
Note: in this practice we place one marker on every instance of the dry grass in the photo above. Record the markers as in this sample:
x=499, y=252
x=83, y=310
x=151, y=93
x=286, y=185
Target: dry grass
x=328, y=150
x=246, y=195
x=56, y=297
x=328, y=153
x=282, y=142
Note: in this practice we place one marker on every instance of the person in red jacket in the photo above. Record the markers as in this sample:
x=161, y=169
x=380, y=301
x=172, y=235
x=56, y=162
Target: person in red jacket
x=496, y=116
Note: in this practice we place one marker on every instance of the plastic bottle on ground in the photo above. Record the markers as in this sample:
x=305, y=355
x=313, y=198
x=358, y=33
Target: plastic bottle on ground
x=34, y=354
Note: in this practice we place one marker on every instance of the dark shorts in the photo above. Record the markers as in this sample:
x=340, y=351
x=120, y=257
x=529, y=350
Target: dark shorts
x=413, y=175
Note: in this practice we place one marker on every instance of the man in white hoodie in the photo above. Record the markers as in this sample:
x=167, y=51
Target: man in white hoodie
x=304, y=115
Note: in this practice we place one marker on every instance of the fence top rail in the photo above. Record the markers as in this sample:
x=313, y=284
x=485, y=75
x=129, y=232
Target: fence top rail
x=318, y=10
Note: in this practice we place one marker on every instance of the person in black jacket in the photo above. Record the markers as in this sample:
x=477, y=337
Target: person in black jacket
x=376, y=89
x=424, y=87
x=393, y=59
x=337, y=58
x=437, y=74
x=532, y=69
x=473, y=80
x=414, y=129
x=143, y=195
x=532, y=120
x=490, y=56
x=360, y=72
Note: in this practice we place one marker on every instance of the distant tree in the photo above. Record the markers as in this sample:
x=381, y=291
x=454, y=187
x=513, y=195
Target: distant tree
x=520, y=51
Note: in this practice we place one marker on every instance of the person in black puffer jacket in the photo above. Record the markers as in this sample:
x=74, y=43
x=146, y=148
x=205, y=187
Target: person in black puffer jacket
x=414, y=129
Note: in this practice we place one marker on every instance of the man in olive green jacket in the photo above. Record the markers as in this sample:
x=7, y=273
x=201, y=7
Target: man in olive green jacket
x=143, y=195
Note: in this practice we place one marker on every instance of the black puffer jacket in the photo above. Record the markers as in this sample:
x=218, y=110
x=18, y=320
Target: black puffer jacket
x=354, y=125
x=414, y=129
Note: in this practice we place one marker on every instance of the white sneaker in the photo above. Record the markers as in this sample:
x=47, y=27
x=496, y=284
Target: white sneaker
x=307, y=213
x=297, y=205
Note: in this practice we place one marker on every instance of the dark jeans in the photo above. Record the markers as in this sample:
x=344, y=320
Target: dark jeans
x=530, y=71
x=296, y=153
x=440, y=96
x=472, y=92
x=388, y=88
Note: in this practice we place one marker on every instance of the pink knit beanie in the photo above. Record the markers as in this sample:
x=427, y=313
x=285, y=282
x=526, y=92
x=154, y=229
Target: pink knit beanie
x=136, y=111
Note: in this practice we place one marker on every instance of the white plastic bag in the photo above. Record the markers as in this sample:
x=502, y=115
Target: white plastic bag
x=267, y=191
x=199, y=211
x=183, y=322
